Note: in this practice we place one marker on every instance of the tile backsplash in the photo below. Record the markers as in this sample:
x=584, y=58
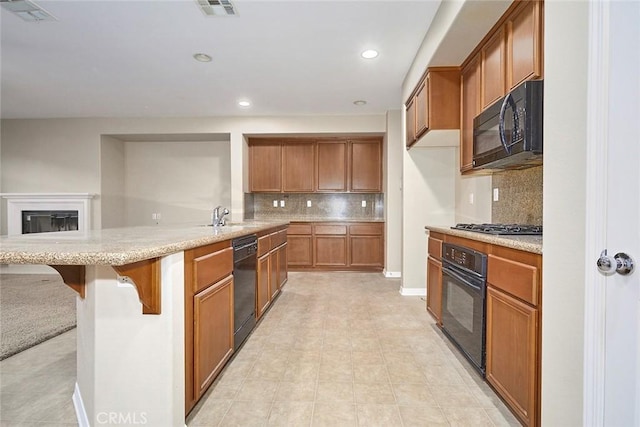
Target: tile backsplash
x=520, y=196
x=347, y=206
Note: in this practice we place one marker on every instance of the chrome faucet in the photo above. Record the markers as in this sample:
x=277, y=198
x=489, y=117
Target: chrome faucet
x=217, y=219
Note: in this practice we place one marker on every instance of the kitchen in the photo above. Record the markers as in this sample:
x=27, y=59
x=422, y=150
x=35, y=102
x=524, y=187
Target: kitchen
x=416, y=170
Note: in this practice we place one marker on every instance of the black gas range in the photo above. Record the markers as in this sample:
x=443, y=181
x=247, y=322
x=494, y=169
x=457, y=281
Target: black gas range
x=502, y=229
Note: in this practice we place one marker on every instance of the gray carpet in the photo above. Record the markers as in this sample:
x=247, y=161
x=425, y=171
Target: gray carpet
x=33, y=308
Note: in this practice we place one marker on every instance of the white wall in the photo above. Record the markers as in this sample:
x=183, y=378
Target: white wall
x=112, y=179
x=183, y=181
x=565, y=125
x=393, y=149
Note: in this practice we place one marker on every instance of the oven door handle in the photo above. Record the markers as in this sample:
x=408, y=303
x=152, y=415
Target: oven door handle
x=457, y=276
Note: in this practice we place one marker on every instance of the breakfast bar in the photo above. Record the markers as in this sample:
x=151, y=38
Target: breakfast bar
x=130, y=313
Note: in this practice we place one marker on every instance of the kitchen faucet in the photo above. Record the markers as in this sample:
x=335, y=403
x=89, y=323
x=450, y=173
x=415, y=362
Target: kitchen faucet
x=217, y=219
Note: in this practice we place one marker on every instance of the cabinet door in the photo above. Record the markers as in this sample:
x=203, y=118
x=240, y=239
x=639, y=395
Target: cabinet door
x=367, y=251
x=493, y=69
x=470, y=108
x=512, y=348
x=366, y=166
x=422, y=108
x=213, y=332
x=265, y=167
x=434, y=289
x=524, y=53
x=274, y=273
x=262, y=282
x=300, y=253
x=282, y=262
x=330, y=250
x=332, y=166
x=410, y=123
x=298, y=166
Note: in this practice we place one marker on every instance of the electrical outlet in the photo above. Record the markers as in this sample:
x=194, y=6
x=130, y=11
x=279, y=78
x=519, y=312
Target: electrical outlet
x=364, y=203
x=496, y=195
x=282, y=203
x=470, y=198
x=154, y=216
x=308, y=203
x=275, y=203
x=158, y=215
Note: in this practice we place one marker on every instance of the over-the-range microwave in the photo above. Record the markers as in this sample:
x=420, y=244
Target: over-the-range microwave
x=508, y=134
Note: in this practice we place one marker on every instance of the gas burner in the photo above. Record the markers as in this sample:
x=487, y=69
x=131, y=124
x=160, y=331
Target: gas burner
x=502, y=229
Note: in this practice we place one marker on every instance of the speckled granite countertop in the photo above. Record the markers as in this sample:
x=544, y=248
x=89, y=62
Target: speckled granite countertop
x=119, y=246
x=324, y=219
x=524, y=243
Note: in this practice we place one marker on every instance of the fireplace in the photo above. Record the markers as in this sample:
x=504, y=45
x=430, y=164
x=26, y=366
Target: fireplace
x=29, y=213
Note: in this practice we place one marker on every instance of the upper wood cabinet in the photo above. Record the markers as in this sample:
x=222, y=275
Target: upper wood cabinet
x=298, y=162
x=469, y=109
x=494, y=67
x=524, y=43
x=434, y=103
x=265, y=166
x=366, y=166
x=315, y=165
x=332, y=166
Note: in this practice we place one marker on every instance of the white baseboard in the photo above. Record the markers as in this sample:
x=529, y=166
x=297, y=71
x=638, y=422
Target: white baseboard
x=392, y=274
x=26, y=269
x=413, y=292
x=81, y=414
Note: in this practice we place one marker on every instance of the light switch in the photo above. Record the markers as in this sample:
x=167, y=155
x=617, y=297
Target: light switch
x=364, y=203
x=275, y=203
x=282, y=203
x=308, y=203
x=470, y=198
x=496, y=195
x=154, y=216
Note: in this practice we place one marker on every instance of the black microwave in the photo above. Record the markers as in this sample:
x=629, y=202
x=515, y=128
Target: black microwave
x=508, y=134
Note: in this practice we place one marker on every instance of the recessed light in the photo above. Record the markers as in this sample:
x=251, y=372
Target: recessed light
x=244, y=103
x=202, y=57
x=369, y=54
x=360, y=102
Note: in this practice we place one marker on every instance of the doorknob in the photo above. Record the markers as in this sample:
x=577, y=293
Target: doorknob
x=620, y=263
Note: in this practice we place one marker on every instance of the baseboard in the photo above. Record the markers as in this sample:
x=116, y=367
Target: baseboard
x=413, y=292
x=392, y=274
x=81, y=414
x=26, y=269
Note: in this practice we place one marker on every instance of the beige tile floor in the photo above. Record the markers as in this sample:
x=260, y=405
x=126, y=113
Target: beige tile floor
x=335, y=349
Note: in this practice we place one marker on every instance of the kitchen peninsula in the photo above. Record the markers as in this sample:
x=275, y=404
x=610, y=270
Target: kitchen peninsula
x=131, y=312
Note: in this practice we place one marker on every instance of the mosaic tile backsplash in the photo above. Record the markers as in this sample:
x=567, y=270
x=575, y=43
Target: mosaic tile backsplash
x=520, y=197
x=331, y=206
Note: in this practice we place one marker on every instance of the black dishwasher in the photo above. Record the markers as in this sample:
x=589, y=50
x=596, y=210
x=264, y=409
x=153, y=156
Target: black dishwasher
x=244, y=287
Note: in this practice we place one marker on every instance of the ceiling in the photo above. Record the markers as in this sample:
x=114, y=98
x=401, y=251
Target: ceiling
x=134, y=58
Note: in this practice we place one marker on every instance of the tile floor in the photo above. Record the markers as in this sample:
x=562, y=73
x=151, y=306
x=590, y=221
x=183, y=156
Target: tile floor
x=336, y=349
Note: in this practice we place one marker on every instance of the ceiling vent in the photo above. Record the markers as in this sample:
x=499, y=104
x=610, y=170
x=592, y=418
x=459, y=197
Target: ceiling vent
x=27, y=10
x=217, y=7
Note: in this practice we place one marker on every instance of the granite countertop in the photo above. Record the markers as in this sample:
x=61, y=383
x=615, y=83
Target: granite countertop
x=119, y=246
x=308, y=218
x=524, y=243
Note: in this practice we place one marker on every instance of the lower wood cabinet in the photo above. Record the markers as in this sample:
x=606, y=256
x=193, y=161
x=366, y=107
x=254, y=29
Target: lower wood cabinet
x=271, y=269
x=263, y=294
x=336, y=246
x=434, y=289
x=212, y=331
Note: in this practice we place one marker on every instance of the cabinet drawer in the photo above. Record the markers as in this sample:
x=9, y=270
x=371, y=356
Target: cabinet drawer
x=330, y=229
x=365, y=229
x=518, y=279
x=299, y=229
x=435, y=248
x=278, y=238
x=264, y=244
x=210, y=268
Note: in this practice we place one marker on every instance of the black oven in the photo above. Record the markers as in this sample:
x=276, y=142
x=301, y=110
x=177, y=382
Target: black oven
x=464, y=278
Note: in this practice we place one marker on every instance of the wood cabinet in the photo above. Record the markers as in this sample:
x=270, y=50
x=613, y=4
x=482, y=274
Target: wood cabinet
x=493, y=82
x=514, y=330
x=434, y=104
x=263, y=293
x=524, y=43
x=336, y=246
x=366, y=166
x=470, y=107
x=434, y=276
x=332, y=166
x=304, y=165
x=208, y=293
x=298, y=163
x=271, y=269
x=265, y=166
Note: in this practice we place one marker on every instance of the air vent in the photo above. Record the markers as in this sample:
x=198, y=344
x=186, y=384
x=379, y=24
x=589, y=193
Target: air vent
x=27, y=10
x=217, y=7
